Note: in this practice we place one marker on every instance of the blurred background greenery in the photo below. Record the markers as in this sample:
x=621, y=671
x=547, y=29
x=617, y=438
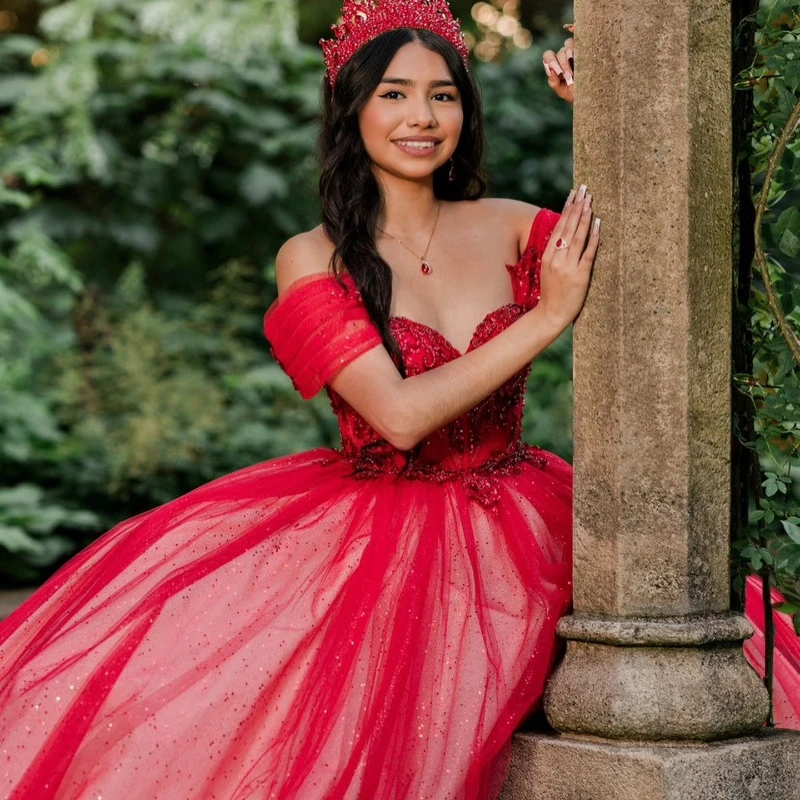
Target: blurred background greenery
x=154, y=155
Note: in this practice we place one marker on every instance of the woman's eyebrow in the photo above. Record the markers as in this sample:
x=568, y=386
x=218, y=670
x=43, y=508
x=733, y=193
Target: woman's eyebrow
x=409, y=82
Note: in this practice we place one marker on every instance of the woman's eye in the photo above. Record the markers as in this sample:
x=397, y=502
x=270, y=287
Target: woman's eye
x=447, y=96
x=392, y=92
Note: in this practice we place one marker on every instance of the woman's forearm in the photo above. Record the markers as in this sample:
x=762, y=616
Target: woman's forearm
x=427, y=402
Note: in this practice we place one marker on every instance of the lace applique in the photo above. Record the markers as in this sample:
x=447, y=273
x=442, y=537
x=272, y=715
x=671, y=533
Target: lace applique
x=477, y=448
x=507, y=405
x=497, y=420
x=482, y=481
x=526, y=273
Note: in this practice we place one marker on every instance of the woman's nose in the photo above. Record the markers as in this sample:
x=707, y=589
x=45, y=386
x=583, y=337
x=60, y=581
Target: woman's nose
x=421, y=114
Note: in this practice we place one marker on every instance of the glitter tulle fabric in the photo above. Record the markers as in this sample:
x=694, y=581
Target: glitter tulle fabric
x=354, y=624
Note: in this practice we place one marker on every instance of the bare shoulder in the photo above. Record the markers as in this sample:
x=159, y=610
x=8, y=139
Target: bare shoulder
x=307, y=253
x=513, y=216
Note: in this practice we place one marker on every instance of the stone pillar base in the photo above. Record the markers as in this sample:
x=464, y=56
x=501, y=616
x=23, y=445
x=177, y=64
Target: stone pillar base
x=641, y=679
x=560, y=767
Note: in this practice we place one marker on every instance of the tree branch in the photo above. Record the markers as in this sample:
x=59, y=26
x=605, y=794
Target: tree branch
x=792, y=340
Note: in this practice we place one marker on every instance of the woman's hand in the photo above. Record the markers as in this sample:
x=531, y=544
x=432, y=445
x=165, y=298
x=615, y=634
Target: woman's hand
x=560, y=68
x=567, y=261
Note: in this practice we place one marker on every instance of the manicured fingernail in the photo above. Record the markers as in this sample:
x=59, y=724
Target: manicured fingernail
x=570, y=198
x=570, y=54
x=547, y=69
x=587, y=202
x=557, y=68
x=568, y=79
x=596, y=230
x=582, y=192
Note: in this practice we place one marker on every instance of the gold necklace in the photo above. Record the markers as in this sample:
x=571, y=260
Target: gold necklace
x=425, y=267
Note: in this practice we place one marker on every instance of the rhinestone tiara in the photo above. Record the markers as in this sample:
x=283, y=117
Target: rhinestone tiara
x=364, y=20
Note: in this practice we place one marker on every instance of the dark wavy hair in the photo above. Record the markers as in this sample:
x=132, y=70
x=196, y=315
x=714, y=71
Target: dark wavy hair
x=351, y=196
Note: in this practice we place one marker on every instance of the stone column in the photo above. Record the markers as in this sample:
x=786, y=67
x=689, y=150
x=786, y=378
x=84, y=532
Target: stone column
x=654, y=697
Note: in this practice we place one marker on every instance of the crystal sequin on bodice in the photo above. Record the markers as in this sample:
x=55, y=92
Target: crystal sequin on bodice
x=482, y=444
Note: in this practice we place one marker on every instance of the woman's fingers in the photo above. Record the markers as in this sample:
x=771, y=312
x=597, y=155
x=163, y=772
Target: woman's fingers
x=587, y=259
x=559, y=68
x=573, y=225
x=582, y=231
x=557, y=64
x=566, y=67
x=573, y=219
x=569, y=49
x=552, y=66
x=558, y=228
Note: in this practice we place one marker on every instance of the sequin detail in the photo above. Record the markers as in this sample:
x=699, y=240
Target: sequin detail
x=526, y=273
x=485, y=443
x=482, y=482
x=320, y=325
x=365, y=20
x=364, y=623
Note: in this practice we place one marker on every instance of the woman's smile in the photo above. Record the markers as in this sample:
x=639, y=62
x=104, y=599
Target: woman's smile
x=419, y=147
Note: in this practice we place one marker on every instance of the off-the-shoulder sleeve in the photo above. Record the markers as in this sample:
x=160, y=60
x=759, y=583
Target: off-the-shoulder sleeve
x=525, y=274
x=316, y=328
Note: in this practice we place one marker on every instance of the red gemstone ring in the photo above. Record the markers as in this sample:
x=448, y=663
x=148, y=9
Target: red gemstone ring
x=562, y=244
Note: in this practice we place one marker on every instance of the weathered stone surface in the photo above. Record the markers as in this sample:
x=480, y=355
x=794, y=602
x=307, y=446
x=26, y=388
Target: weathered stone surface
x=654, y=685
x=652, y=385
x=653, y=679
x=656, y=693
x=764, y=767
x=652, y=348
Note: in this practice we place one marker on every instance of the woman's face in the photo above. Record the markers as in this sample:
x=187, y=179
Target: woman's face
x=412, y=122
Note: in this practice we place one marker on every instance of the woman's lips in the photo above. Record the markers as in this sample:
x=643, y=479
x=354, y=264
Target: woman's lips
x=418, y=149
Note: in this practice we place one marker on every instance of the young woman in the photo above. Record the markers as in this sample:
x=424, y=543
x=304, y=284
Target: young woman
x=371, y=622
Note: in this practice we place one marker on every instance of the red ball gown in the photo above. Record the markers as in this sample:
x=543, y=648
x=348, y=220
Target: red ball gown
x=359, y=624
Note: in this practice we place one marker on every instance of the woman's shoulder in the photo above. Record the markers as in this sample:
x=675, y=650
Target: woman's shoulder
x=501, y=209
x=501, y=213
x=305, y=254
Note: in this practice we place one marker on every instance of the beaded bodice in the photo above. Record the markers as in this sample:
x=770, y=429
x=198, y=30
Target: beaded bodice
x=320, y=324
x=488, y=434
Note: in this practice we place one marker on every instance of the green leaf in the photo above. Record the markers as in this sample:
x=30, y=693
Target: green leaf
x=792, y=530
x=16, y=540
x=261, y=184
x=13, y=87
x=12, y=197
x=789, y=243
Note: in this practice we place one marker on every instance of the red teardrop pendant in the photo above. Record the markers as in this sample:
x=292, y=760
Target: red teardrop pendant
x=426, y=268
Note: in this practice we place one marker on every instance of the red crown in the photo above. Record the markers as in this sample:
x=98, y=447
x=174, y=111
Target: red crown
x=364, y=20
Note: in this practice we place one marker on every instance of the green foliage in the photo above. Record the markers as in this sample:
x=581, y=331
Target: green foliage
x=770, y=545
x=159, y=132
x=30, y=531
x=152, y=165
x=529, y=130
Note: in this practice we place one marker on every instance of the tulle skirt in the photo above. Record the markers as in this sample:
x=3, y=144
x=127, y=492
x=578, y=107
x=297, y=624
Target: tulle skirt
x=786, y=663
x=289, y=631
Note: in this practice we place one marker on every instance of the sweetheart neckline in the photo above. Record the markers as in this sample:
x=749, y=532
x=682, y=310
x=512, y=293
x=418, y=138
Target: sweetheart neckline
x=509, y=268
x=437, y=332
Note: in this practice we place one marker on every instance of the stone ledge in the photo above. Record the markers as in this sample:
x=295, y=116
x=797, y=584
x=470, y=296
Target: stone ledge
x=700, y=629
x=555, y=767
